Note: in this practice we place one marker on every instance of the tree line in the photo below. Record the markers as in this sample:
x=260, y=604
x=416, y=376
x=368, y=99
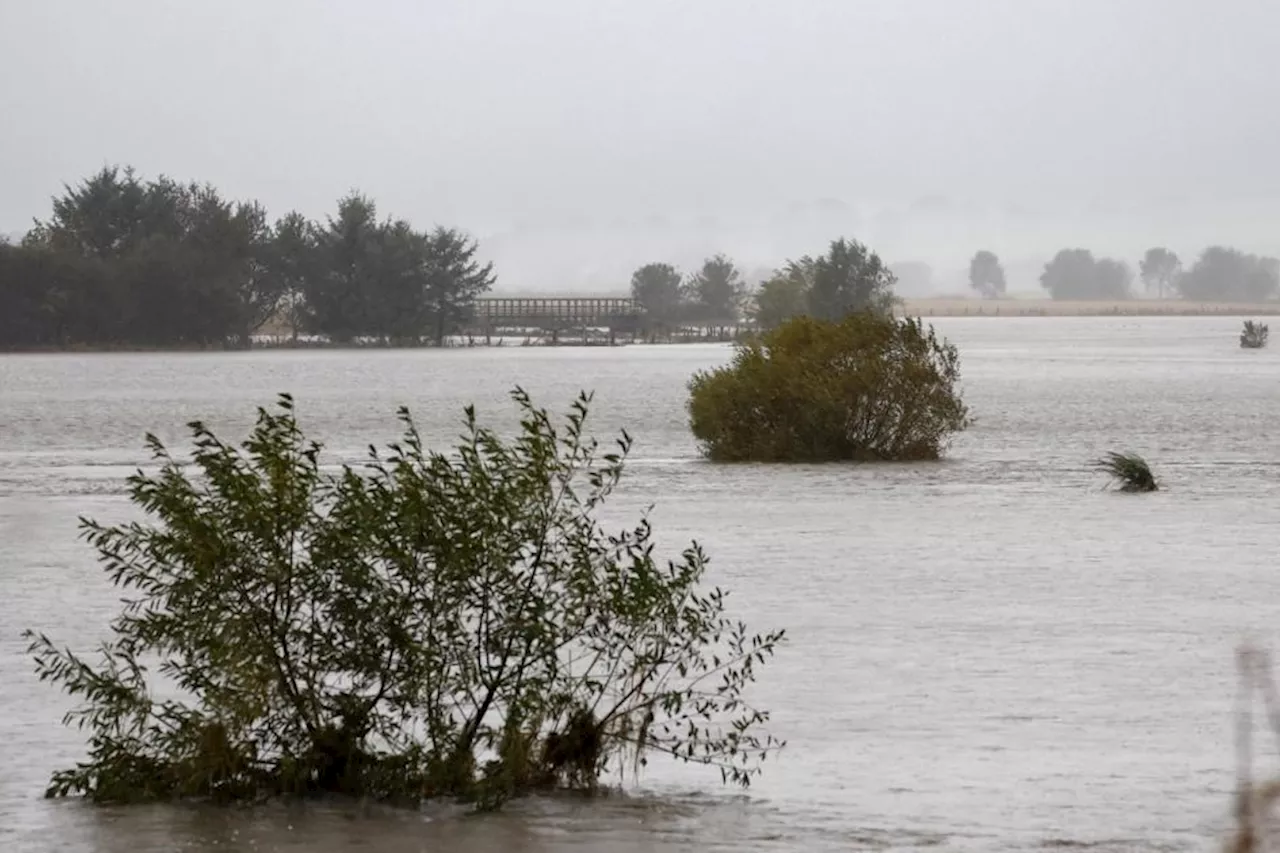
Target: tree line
x=849, y=278
x=126, y=262
x=1219, y=274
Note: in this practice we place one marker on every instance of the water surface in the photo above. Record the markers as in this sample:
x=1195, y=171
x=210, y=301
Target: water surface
x=987, y=653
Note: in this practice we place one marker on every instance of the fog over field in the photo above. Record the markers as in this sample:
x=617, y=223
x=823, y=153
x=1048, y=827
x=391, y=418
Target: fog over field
x=578, y=139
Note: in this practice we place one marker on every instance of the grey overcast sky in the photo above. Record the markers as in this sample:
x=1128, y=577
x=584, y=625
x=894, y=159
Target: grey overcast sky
x=578, y=138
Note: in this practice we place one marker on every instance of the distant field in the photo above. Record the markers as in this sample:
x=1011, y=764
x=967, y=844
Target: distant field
x=956, y=307
x=959, y=306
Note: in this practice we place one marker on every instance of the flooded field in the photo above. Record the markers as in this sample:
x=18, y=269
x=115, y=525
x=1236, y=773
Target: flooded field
x=987, y=653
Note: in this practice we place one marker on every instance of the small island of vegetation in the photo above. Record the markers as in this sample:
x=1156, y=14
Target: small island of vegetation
x=838, y=379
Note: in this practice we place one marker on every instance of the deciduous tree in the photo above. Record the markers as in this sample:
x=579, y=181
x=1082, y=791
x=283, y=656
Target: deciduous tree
x=986, y=275
x=1076, y=274
x=1230, y=275
x=658, y=288
x=1159, y=269
x=849, y=278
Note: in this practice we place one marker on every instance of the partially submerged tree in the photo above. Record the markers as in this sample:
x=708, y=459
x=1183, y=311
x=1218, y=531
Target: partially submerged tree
x=1129, y=471
x=986, y=275
x=869, y=387
x=425, y=625
x=1254, y=335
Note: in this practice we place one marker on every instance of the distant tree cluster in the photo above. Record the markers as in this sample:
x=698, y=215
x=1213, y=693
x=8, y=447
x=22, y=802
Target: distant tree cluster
x=1220, y=274
x=127, y=262
x=1223, y=274
x=986, y=275
x=849, y=278
x=1077, y=274
x=715, y=294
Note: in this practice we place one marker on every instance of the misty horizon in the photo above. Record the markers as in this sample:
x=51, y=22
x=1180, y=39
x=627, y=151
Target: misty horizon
x=579, y=140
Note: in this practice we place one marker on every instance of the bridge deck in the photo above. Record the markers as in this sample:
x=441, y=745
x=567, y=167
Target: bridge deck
x=495, y=310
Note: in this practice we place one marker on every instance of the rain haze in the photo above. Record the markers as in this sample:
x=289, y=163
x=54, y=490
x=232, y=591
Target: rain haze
x=942, y=325
x=578, y=138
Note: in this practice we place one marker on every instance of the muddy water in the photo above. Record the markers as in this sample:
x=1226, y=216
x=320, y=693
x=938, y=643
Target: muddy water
x=988, y=653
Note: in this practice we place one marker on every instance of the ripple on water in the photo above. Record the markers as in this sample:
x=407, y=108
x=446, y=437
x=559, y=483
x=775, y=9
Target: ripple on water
x=988, y=653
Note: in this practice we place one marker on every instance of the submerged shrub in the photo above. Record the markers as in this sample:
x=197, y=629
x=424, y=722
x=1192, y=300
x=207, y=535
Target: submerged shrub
x=423, y=625
x=869, y=387
x=1254, y=335
x=1130, y=471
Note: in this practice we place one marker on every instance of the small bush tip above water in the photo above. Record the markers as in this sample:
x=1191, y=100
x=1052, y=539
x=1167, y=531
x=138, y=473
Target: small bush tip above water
x=1254, y=335
x=1129, y=471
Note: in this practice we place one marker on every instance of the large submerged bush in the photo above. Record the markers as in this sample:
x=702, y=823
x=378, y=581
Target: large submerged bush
x=423, y=625
x=869, y=387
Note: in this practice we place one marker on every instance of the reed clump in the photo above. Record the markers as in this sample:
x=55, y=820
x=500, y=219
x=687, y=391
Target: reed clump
x=1129, y=471
x=1254, y=335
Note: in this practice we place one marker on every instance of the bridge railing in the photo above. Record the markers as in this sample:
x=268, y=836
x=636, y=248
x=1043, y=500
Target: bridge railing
x=585, y=310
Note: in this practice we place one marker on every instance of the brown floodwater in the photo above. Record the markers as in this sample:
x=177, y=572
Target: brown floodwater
x=987, y=653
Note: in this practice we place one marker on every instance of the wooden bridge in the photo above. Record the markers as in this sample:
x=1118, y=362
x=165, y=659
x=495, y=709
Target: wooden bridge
x=581, y=319
x=501, y=312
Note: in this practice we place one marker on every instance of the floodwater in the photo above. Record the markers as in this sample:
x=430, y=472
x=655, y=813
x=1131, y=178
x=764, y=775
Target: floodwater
x=988, y=653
